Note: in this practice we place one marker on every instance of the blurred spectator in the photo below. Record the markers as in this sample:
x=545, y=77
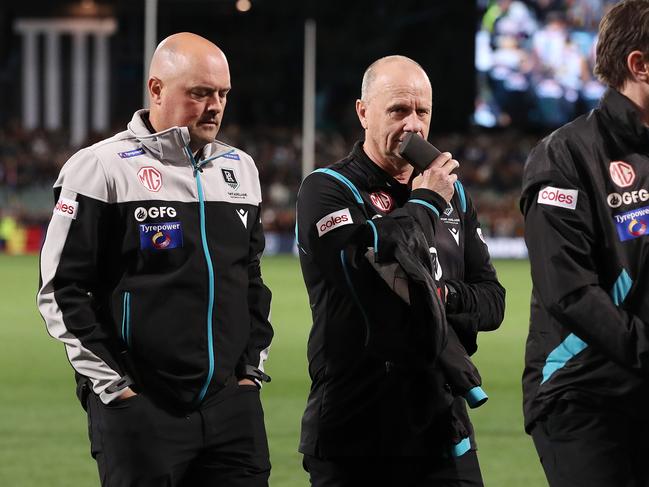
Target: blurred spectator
x=491, y=165
x=534, y=60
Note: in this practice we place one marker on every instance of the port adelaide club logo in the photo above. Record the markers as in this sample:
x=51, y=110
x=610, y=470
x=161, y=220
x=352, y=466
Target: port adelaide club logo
x=230, y=177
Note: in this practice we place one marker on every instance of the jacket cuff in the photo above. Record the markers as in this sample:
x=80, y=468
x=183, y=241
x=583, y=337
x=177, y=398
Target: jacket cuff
x=114, y=389
x=430, y=197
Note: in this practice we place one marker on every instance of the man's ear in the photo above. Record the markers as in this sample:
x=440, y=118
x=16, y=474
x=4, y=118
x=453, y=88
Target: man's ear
x=155, y=90
x=360, y=111
x=638, y=66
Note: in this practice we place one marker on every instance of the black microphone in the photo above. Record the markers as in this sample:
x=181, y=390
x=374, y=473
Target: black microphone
x=418, y=151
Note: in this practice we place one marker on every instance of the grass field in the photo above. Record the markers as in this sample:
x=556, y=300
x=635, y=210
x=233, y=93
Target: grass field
x=43, y=432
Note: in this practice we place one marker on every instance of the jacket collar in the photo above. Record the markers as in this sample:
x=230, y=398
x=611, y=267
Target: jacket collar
x=171, y=145
x=624, y=119
x=376, y=176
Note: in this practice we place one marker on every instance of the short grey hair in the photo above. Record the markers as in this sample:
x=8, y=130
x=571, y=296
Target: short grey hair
x=370, y=73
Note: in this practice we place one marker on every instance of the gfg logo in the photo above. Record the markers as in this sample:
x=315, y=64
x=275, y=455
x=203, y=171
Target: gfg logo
x=615, y=200
x=142, y=213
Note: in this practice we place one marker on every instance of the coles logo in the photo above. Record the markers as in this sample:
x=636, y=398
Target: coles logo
x=333, y=220
x=382, y=201
x=150, y=178
x=615, y=200
x=142, y=213
x=66, y=207
x=622, y=173
x=563, y=198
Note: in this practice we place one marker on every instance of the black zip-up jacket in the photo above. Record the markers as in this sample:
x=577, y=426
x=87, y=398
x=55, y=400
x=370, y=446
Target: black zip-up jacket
x=150, y=268
x=376, y=387
x=476, y=300
x=586, y=205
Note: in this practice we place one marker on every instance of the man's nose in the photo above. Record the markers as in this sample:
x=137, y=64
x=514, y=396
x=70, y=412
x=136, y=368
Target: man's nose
x=413, y=123
x=215, y=103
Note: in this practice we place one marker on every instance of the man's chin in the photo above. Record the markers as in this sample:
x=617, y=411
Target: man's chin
x=203, y=135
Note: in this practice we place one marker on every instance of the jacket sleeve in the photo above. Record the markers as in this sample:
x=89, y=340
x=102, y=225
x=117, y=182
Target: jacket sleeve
x=330, y=222
x=251, y=363
x=71, y=274
x=479, y=296
x=561, y=241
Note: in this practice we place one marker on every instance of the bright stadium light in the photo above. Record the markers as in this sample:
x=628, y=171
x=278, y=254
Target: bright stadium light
x=243, y=5
x=88, y=6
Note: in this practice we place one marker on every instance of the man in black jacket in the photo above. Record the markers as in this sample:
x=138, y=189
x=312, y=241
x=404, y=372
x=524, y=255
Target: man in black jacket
x=380, y=410
x=585, y=202
x=150, y=276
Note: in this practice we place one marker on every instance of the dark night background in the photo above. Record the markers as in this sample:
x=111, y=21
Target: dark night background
x=265, y=50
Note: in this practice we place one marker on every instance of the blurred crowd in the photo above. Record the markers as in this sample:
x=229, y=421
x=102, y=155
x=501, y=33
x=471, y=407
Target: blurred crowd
x=491, y=169
x=535, y=60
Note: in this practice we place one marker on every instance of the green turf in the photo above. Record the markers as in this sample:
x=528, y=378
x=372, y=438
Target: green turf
x=43, y=432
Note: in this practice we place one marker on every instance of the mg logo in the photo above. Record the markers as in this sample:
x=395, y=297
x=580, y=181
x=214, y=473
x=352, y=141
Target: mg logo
x=382, y=201
x=622, y=173
x=150, y=178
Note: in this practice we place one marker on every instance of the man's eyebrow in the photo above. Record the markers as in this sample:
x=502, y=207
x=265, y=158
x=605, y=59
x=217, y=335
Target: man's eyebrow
x=396, y=105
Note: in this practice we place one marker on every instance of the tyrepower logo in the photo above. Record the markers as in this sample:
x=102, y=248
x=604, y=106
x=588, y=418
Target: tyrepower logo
x=333, y=220
x=142, y=213
x=66, y=207
x=632, y=224
x=622, y=173
x=150, y=178
x=615, y=200
x=563, y=198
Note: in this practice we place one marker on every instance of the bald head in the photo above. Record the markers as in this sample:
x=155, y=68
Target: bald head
x=387, y=65
x=189, y=79
x=179, y=52
x=396, y=98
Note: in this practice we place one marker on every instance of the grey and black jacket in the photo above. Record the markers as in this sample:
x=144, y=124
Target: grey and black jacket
x=586, y=205
x=150, y=270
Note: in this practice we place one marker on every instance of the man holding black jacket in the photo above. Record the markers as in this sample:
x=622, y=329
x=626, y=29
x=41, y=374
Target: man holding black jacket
x=585, y=201
x=380, y=409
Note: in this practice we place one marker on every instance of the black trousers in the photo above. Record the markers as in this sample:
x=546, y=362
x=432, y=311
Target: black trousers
x=463, y=471
x=582, y=446
x=136, y=443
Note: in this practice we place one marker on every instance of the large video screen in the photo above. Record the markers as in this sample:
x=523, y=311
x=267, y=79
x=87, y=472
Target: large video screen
x=534, y=61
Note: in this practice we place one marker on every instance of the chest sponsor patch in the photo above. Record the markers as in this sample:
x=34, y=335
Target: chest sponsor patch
x=232, y=155
x=161, y=236
x=333, y=220
x=615, y=200
x=150, y=178
x=632, y=224
x=621, y=173
x=563, y=198
x=382, y=200
x=131, y=153
x=67, y=208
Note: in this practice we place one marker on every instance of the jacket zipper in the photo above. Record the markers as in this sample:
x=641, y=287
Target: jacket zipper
x=210, y=275
x=126, y=318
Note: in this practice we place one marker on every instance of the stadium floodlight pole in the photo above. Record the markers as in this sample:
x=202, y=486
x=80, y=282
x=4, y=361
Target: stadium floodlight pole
x=150, y=36
x=308, y=107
